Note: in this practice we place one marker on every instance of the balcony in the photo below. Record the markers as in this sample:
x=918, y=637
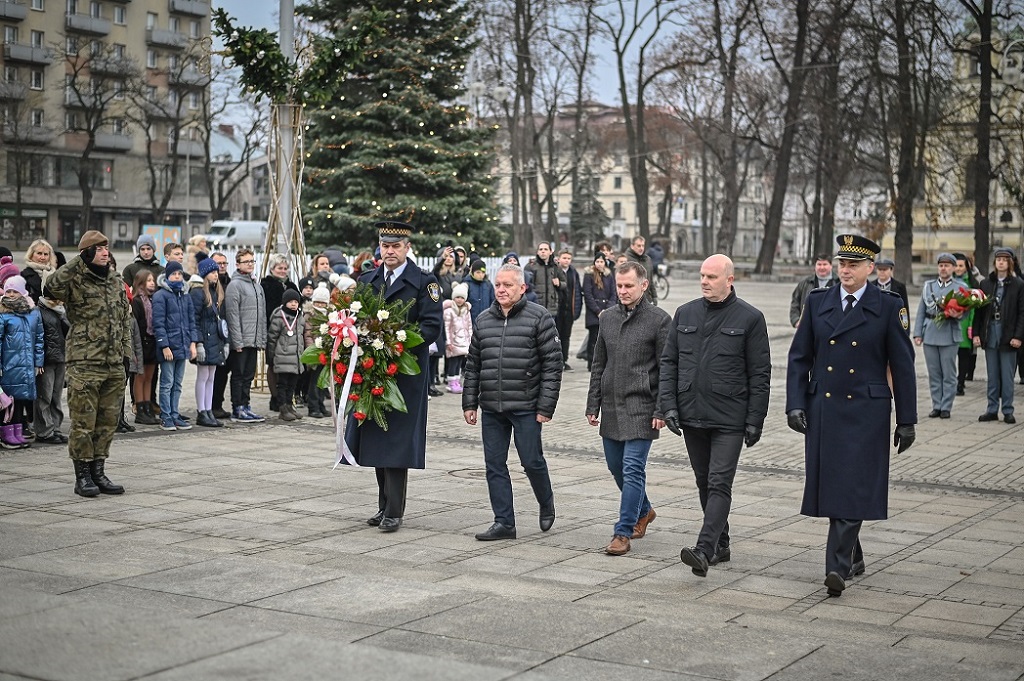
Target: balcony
x=191, y=149
x=81, y=100
x=160, y=108
x=26, y=134
x=109, y=141
x=27, y=54
x=12, y=90
x=196, y=8
x=12, y=11
x=188, y=77
x=166, y=38
x=83, y=23
x=111, y=65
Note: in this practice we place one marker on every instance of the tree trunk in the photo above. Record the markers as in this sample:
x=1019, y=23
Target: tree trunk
x=906, y=180
x=983, y=175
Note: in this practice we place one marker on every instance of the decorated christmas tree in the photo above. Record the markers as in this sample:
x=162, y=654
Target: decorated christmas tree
x=396, y=141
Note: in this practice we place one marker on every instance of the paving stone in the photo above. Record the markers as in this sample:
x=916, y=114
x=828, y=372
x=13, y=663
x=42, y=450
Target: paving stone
x=275, y=621
x=503, y=656
x=571, y=668
x=965, y=613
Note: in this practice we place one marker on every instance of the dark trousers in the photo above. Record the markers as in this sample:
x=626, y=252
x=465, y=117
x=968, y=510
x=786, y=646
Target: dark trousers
x=966, y=360
x=497, y=429
x=714, y=455
x=391, y=487
x=453, y=365
x=591, y=344
x=314, y=395
x=220, y=383
x=286, y=388
x=843, y=547
x=243, y=370
x=563, y=324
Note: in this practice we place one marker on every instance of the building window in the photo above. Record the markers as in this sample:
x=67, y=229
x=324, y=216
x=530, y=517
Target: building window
x=119, y=126
x=617, y=183
x=174, y=23
x=120, y=50
x=10, y=34
x=10, y=73
x=151, y=93
x=71, y=45
x=38, y=5
x=617, y=209
x=95, y=10
x=120, y=15
x=37, y=118
x=71, y=6
x=36, y=79
x=172, y=100
x=71, y=120
x=172, y=62
x=36, y=38
x=119, y=89
x=151, y=59
x=193, y=101
x=193, y=29
x=96, y=48
x=151, y=18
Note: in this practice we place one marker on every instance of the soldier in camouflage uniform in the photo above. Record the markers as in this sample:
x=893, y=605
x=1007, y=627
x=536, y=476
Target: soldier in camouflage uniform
x=99, y=340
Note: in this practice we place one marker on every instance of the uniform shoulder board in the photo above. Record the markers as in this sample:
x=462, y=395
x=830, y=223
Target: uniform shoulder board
x=892, y=293
x=815, y=291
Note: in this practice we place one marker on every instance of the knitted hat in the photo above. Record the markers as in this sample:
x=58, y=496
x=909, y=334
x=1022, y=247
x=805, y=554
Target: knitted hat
x=321, y=294
x=341, y=282
x=478, y=265
x=172, y=267
x=16, y=283
x=206, y=266
x=5, y=252
x=290, y=294
x=7, y=268
x=460, y=290
x=509, y=256
x=92, y=238
x=304, y=282
x=146, y=240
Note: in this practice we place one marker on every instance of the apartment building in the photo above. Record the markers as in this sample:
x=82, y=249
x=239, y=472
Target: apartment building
x=112, y=93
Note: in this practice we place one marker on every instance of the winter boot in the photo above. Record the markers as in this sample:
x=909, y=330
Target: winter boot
x=144, y=415
x=455, y=385
x=286, y=413
x=7, y=440
x=214, y=423
x=16, y=429
x=122, y=423
x=84, y=486
x=203, y=420
x=102, y=481
x=295, y=413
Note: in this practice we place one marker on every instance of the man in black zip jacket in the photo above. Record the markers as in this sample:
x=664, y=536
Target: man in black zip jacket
x=513, y=375
x=715, y=373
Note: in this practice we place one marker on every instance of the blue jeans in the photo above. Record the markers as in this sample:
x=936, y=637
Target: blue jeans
x=627, y=460
x=172, y=373
x=1000, y=365
x=497, y=429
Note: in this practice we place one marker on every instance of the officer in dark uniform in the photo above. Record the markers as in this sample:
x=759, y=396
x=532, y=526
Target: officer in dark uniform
x=838, y=395
x=403, y=445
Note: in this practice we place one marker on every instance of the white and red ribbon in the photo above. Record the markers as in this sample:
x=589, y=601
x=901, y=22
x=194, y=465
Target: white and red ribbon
x=343, y=326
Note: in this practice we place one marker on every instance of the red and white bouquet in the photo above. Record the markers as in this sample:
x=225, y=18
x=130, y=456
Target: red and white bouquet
x=959, y=302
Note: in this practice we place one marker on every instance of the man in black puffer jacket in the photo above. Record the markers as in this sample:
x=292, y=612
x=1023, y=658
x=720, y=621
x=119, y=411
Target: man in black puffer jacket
x=513, y=374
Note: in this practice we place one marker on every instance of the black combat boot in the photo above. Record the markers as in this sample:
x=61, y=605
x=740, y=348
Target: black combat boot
x=102, y=481
x=144, y=415
x=84, y=486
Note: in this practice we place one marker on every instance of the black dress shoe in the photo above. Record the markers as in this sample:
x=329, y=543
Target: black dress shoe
x=1009, y=418
x=722, y=555
x=856, y=569
x=390, y=524
x=944, y=414
x=988, y=416
x=836, y=584
x=497, y=531
x=934, y=414
x=51, y=439
x=547, y=518
x=434, y=392
x=696, y=559
x=960, y=391
x=375, y=520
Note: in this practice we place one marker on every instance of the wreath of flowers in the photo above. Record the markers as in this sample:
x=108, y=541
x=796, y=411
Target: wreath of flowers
x=362, y=342
x=959, y=302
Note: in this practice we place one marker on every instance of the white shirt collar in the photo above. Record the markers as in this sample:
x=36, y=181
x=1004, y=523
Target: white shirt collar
x=397, y=272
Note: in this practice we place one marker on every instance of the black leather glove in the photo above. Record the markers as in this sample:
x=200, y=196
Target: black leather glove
x=672, y=421
x=903, y=437
x=751, y=434
x=797, y=420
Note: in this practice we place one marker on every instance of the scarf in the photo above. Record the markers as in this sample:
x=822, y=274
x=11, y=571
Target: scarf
x=147, y=305
x=44, y=270
x=175, y=286
x=17, y=303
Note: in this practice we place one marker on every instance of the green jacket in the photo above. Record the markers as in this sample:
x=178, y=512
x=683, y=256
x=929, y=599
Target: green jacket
x=966, y=339
x=97, y=309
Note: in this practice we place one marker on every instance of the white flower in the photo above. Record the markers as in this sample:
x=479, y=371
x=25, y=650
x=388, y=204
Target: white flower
x=400, y=335
x=346, y=342
x=319, y=342
x=332, y=317
x=324, y=329
x=359, y=351
x=355, y=306
x=383, y=314
x=377, y=344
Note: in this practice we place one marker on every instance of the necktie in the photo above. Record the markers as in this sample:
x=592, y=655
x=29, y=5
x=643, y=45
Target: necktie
x=850, y=300
x=388, y=278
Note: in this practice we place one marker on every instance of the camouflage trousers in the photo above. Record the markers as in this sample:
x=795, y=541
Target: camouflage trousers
x=94, y=402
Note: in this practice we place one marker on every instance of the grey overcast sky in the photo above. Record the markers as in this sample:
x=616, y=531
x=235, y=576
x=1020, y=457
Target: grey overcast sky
x=265, y=13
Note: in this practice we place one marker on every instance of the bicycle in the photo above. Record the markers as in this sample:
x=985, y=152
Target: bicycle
x=660, y=282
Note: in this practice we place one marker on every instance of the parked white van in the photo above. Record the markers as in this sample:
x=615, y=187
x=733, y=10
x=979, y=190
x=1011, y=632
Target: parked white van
x=237, y=233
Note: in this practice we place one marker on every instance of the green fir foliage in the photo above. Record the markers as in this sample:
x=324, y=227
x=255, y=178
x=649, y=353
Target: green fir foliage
x=396, y=141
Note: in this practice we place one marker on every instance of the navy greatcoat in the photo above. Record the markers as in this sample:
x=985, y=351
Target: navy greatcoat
x=837, y=375
x=404, y=443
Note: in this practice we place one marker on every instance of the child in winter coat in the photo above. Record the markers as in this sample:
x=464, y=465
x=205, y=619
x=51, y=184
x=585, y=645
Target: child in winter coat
x=458, y=326
x=314, y=395
x=285, y=345
x=174, y=327
x=21, y=357
x=50, y=383
x=481, y=290
x=143, y=288
x=207, y=299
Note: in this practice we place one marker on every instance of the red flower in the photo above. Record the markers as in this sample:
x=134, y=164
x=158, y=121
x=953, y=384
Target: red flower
x=399, y=348
x=392, y=369
x=323, y=358
x=340, y=368
x=357, y=378
x=377, y=392
x=354, y=397
x=368, y=363
x=359, y=415
x=339, y=378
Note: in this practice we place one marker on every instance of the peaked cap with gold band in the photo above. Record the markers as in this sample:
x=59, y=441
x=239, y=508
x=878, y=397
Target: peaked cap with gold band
x=391, y=231
x=856, y=247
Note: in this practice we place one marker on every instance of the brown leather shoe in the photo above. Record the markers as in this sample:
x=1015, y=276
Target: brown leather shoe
x=618, y=547
x=640, y=529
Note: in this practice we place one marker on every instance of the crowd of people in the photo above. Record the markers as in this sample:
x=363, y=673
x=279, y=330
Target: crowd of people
x=703, y=373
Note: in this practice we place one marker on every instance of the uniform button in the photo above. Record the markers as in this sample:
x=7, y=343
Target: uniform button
x=854, y=343
x=849, y=397
x=828, y=394
x=830, y=368
x=851, y=371
x=831, y=342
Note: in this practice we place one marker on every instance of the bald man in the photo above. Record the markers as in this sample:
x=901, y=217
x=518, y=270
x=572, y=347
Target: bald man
x=715, y=374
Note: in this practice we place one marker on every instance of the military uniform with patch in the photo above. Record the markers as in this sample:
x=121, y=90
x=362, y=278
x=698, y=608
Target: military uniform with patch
x=98, y=341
